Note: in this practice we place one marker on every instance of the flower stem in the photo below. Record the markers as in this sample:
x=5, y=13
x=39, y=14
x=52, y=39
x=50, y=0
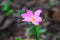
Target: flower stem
x=36, y=32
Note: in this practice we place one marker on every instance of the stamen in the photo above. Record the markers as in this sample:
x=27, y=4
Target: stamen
x=33, y=19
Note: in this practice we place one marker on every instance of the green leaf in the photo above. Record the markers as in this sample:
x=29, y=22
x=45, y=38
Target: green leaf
x=9, y=12
x=17, y=38
x=5, y=7
x=51, y=3
x=42, y=30
x=28, y=30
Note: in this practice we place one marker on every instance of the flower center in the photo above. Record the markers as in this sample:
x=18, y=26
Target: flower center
x=33, y=19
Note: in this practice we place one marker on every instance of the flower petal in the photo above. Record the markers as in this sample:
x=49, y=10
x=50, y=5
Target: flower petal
x=38, y=19
x=29, y=13
x=38, y=12
x=35, y=23
x=24, y=15
x=27, y=19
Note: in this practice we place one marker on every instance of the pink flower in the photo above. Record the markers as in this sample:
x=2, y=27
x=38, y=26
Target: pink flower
x=30, y=17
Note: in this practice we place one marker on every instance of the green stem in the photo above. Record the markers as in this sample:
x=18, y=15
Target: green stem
x=37, y=32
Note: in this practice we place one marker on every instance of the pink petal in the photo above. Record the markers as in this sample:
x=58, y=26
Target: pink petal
x=24, y=15
x=38, y=19
x=28, y=19
x=38, y=12
x=29, y=13
x=35, y=23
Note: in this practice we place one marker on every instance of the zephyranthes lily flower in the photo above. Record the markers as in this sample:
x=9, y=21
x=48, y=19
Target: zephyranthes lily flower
x=30, y=17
